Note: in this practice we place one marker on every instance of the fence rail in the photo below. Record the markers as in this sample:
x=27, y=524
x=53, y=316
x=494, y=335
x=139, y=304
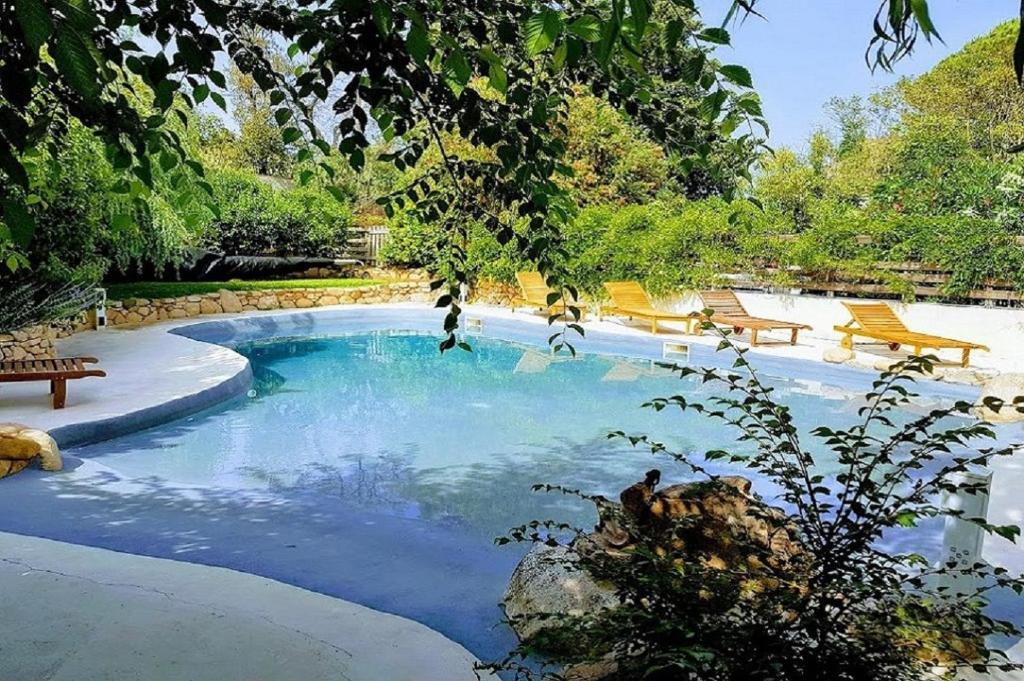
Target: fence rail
x=365, y=243
x=924, y=281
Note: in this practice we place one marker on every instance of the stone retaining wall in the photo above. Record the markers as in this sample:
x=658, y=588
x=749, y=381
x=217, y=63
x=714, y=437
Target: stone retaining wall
x=36, y=342
x=139, y=311
x=489, y=292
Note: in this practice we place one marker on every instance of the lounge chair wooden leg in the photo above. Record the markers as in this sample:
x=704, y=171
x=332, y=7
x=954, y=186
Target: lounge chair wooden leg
x=918, y=350
x=60, y=393
x=965, y=358
x=53, y=387
x=753, y=338
x=792, y=336
x=846, y=342
x=654, y=326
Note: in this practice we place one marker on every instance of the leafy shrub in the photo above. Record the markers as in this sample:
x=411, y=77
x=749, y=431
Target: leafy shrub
x=256, y=219
x=30, y=303
x=819, y=597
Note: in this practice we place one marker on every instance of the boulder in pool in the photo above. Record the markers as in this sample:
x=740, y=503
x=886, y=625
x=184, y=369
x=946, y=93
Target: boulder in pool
x=717, y=523
x=549, y=581
x=19, y=445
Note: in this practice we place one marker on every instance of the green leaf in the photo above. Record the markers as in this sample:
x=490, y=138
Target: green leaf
x=418, y=43
x=719, y=36
x=542, y=30
x=75, y=61
x=561, y=52
x=290, y=135
x=293, y=50
x=35, y=21
x=924, y=19
x=587, y=28
x=457, y=71
x=673, y=32
x=201, y=92
x=218, y=99
x=640, y=13
x=19, y=222
x=382, y=17
x=498, y=78
x=737, y=74
x=282, y=115
x=167, y=160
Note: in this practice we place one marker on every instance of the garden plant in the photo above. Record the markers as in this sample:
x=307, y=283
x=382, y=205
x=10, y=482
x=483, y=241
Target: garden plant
x=821, y=596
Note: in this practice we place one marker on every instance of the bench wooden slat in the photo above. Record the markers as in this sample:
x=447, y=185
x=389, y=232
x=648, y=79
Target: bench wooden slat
x=58, y=371
x=729, y=311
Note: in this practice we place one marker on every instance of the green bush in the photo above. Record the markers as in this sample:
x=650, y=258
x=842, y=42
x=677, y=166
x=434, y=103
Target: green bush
x=256, y=219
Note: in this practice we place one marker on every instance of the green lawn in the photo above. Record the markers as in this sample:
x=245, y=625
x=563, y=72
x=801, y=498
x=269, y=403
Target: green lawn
x=176, y=289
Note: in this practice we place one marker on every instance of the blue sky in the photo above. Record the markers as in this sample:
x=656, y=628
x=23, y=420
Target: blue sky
x=810, y=50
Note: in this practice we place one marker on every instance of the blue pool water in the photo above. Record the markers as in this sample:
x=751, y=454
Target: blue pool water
x=371, y=468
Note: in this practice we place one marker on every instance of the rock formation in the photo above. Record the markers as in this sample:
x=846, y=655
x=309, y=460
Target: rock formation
x=19, y=445
x=718, y=523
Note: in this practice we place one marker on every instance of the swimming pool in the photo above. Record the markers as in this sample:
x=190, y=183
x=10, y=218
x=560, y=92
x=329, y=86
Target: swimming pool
x=364, y=465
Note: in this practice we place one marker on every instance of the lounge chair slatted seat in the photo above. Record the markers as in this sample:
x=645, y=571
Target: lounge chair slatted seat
x=57, y=371
x=877, y=321
x=534, y=292
x=729, y=311
x=631, y=300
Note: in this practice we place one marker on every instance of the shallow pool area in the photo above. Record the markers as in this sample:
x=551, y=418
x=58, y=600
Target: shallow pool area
x=365, y=465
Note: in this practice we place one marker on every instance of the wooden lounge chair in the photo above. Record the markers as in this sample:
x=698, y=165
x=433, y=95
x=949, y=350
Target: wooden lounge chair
x=878, y=322
x=57, y=371
x=729, y=311
x=629, y=299
x=534, y=293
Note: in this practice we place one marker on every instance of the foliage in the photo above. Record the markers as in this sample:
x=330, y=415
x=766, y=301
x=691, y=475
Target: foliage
x=256, y=219
x=176, y=289
x=29, y=303
x=84, y=227
x=977, y=87
x=840, y=606
x=422, y=69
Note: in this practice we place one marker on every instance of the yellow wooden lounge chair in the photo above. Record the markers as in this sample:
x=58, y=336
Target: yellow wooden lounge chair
x=729, y=311
x=878, y=322
x=534, y=293
x=629, y=299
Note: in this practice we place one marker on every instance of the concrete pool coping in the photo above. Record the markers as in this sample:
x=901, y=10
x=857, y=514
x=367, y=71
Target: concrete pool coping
x=77, y=612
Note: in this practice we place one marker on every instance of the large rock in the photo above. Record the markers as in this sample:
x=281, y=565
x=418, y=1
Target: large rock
x=1007, y=387
x=716, y=523
x=229, y=301
x=19, y=445
x=837, y=355
x=549, y=581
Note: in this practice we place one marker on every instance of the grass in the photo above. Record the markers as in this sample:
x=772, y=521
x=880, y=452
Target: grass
x=177, y=289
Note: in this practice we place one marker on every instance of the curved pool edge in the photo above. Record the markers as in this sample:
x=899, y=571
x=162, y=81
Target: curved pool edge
x=164, y=372
x=98, y=595
x=90, y=432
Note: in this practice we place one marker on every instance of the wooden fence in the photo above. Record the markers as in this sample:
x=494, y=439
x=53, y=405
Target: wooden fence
x=365, y=243
x=892, y=280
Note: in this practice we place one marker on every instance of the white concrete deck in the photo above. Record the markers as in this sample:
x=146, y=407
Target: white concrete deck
x=76, y=613
x=147, y=369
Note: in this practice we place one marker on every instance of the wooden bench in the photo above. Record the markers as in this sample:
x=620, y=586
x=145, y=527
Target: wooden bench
x=57, y=371
x=878, y=322
x=729, y=311
x=630, y=299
